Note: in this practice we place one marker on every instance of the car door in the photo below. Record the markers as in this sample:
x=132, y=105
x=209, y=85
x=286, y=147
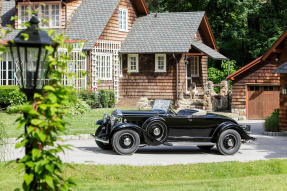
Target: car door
x=177, y=125
x=199, y=126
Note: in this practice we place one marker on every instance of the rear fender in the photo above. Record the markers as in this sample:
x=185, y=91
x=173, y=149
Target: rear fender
x=230, y=125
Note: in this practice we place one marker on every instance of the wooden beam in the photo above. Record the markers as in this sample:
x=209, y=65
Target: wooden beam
x=195, y=54
x=279, y=51
x=210, y=32
x=275, y=45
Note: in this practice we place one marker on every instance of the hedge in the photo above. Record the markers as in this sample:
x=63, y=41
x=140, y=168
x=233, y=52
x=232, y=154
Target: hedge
x=272, y=122
x=11, y=95
x=101, y=99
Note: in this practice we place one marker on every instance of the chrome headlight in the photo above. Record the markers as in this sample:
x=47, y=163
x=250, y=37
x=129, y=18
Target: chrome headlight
x=105, y=118
x=113, y=120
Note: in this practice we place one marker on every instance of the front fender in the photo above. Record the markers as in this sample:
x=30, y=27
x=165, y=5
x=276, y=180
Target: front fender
x=230, y=125
x=127, y=126
x=100, y=122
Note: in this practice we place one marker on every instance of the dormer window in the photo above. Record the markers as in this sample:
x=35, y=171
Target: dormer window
x=50, y=14
x=123, y=20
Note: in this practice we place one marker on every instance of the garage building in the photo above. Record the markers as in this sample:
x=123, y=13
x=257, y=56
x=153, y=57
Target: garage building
x=256, y=90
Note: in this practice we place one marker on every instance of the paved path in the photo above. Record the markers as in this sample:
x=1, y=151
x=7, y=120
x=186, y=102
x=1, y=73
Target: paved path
x=86, y=152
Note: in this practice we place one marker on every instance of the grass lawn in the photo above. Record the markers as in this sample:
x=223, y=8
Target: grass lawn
x=82, y=124
x=268, y=175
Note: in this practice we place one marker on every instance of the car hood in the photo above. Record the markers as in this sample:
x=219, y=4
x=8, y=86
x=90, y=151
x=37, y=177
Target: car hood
x=137, y=112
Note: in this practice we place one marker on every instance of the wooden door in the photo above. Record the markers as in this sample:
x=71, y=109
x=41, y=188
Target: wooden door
x=262, y=100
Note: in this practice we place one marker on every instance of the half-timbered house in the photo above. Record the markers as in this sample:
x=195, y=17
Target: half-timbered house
x=128, y=50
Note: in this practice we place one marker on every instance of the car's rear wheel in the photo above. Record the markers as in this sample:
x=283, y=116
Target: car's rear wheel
x=126, y=142
x=229, y=142
x=205, y=147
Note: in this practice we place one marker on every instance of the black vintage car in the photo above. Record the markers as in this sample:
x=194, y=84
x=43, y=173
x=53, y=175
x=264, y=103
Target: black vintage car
x=125, y=131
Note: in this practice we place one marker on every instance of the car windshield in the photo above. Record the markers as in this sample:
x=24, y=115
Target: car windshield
x=161, y=104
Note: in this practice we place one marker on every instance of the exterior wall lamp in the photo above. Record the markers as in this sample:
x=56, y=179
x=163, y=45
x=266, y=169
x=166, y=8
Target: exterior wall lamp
x=29, y=55
x=284, y=90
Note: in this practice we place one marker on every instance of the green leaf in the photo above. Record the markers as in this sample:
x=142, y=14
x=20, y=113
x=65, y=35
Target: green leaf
x=36, y=153
x=26, y=36
x=21, y=144
x=49, y=181
x=41, y=135
x=36, y=122
x=49, y=88
x=28, y=178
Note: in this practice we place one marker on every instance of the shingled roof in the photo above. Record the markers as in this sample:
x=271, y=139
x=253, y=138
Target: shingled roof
x=282, y=69
x=167, y=33
x=90, y=20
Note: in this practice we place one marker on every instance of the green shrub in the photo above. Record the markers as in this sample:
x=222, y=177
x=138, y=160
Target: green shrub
x=91, y=98
x=11, y=95
x=272, y=122
x=107, y=98
x=79, y=108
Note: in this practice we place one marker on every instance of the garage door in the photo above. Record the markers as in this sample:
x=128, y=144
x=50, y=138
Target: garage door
x=262, y=100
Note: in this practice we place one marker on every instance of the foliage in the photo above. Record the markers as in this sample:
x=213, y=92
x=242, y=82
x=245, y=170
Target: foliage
x=11, y=95
x=79, y=108
x=44, y=121
x=3, y=137
x=272, y=122
x=218, y=75
x=107, y=98
x=262, y=175
x=243, y=30
x=91, y=98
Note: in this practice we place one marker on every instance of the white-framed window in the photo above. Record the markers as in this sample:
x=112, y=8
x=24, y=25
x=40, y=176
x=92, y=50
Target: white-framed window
x=103, y=64
x=50, y=14
x=160, y=63
x=133, y=63
x=123, y=19
x=194, y=66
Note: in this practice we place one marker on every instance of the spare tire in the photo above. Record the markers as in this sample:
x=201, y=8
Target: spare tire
x=157, y=130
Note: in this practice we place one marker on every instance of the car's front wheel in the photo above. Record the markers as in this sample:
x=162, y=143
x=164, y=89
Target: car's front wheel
x=104, y=146
x=229, y=142
x=126, y=141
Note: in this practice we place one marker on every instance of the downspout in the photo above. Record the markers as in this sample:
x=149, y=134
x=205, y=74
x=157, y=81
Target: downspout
x=176, y=79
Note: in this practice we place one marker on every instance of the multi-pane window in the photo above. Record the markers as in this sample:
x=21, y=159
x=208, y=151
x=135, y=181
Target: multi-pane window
x=192, y=70
x=50, y=14
x=133, y=63
x=160, y=63
x=123, y=19
x=103, y=66
x=7, y=70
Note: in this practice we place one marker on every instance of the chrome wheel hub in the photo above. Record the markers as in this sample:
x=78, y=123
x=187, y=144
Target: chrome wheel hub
x=156, y=131
x=127, y=141
x=230, y=143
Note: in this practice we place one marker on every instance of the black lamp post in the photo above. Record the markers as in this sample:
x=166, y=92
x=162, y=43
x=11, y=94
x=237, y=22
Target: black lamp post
x=29, y=55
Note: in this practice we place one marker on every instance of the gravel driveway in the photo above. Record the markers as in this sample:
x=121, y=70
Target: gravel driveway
x=86, y=152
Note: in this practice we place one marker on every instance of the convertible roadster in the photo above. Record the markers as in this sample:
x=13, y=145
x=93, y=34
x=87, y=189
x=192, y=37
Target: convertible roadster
x=125, y=131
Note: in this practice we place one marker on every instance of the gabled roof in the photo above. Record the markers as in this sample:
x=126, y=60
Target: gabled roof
x=245, y=68
x=273, y=49
x=167, y=33
x=90, y=19
x=282, y=69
